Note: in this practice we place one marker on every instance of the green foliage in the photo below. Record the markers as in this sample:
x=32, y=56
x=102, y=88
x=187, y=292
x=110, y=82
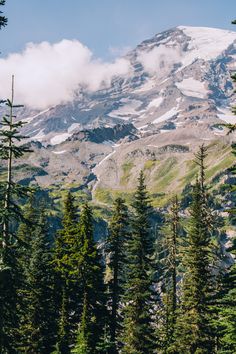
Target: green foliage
x=10, y=276
x=40, y=312
x=66, y=246
x=10, y=213
x=226, y=323
x=194, y=331
x=166, y=167
x=194, y=319
x=92, y=287
x=116, y=248
x=103, y=195
x=53, y=297
x=149, y=164
x=137, y=328
x=169, y=257
x=225, y=302
x=126, y=167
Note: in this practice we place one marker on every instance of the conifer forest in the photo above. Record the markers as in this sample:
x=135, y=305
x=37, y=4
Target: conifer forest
x=157, y=280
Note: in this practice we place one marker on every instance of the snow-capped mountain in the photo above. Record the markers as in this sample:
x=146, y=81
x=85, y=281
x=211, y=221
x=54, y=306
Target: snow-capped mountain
x=177, y=90
x=173, y=76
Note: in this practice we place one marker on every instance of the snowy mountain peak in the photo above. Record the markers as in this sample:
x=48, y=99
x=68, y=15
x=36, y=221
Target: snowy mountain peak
x=179, y=76
x=207, y=30
x=177, y=91
x=208, y=43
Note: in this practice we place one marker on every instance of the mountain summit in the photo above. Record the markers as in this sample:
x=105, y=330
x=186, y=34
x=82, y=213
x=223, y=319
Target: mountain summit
x=168, y=73
x=178, y=89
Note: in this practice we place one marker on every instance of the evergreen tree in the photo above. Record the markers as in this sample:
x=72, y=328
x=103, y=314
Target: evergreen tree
x=170, y=263
x=67, y=276
x=194, y=333
x=200, y=158
x=226, y=304
x=138, y=332
x=41, y=312
x=92, y=287
x=195, y=323
x=25, y=235
x=64, y=326
x=10, y=213
x=116, y=248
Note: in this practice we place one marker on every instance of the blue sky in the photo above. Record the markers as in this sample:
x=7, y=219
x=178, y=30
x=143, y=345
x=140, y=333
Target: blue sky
x=106, y=26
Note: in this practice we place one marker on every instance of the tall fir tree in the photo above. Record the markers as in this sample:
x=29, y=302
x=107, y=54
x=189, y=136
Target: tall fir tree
x=25, y=235
x=195, y=318
x=226, y=305
x=10, y=212
x=194, y=331
x=67, y=276
x=92, y=287
x=117, y=254
x=226, y=298
x=170, y=261
x=138, y=334
x=41, y=308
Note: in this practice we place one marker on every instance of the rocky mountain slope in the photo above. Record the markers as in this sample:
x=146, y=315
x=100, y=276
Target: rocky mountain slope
x=177, y=92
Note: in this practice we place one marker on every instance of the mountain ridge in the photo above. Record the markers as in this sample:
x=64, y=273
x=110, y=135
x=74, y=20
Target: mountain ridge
x=177, y=93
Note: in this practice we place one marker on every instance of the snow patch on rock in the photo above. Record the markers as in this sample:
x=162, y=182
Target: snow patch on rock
x=128, y=109
x=73, y=127
x=58, y=139
x=59, y=152
x=155, y=103
x=227, y=116
x=192, y=87
x=171, y=113
x=39, y=136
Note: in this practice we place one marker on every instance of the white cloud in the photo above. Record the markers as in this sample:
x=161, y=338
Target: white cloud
x=159, y=60
x=49, y=74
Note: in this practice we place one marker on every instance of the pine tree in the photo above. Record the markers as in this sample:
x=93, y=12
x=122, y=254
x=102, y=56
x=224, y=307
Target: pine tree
x=9, y=214
x=170, y=263
x=41, y=312
x=64, y=326
x=116, y=248
x=225, y=301
x=67, y=276
x=194, y=334
x=226, y=304
x=25, y=235
x=194, y=322
x=92, y=287
x=138, y=332
x=200, y=158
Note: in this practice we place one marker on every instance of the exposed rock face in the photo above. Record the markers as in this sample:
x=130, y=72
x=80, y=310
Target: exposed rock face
x=106, y=134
